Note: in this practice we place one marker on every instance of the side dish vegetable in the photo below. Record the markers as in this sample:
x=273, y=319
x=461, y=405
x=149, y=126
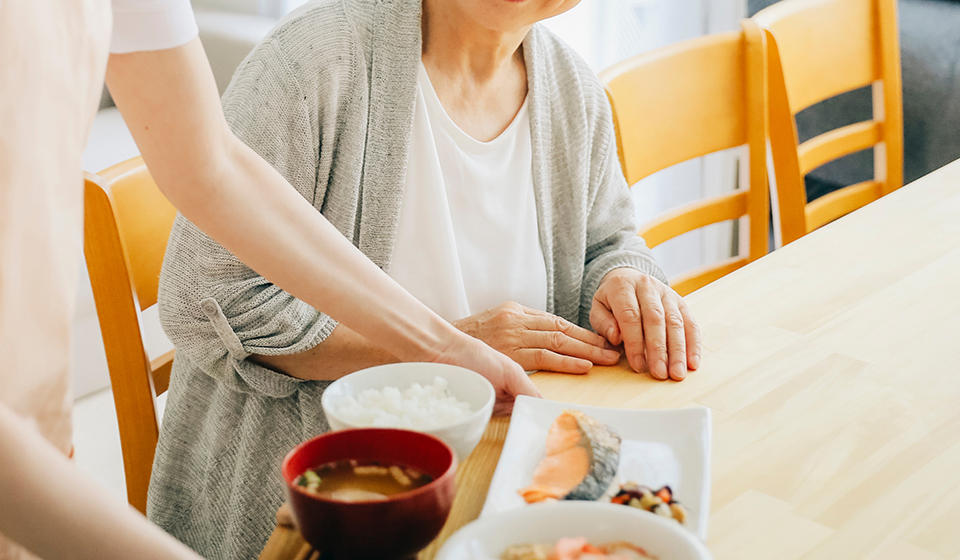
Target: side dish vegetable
x=642, y=497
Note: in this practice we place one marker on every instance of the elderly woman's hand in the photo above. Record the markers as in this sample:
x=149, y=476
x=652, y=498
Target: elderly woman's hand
x=650, y=319
x=538, y=340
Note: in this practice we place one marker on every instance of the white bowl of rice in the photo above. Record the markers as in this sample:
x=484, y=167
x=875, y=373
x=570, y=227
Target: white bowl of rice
x=449, y=402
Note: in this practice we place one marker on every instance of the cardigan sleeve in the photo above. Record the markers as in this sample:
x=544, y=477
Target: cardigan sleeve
x=612, y=240
x=215, y=309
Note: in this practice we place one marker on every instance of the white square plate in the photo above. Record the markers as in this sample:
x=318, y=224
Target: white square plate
x=660, y=447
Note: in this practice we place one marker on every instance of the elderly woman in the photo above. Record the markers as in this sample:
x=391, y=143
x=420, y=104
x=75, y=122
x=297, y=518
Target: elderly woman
x=462, y=148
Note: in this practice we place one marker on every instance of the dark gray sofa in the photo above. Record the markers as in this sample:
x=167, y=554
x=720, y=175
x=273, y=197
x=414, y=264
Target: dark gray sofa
x=930, y=55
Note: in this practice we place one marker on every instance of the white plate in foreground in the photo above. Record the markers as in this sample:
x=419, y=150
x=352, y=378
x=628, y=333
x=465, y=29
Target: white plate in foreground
x=660, y=447
x=487, y=537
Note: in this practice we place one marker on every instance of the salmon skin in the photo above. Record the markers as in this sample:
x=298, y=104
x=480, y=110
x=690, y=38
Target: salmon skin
x=581, y=462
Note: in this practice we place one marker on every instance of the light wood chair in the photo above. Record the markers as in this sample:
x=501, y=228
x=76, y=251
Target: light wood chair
x=818, y=49
x=126, y=227
x=687, y=100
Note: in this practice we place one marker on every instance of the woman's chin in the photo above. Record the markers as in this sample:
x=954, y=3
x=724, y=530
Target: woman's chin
x=510, y=15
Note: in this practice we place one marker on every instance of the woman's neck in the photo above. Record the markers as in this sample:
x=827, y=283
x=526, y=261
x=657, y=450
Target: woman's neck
x=455, y=44
x=477, y=72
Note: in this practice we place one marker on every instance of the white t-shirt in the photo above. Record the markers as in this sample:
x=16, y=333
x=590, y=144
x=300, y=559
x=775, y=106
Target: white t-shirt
x=151, y=25
x=467, y=237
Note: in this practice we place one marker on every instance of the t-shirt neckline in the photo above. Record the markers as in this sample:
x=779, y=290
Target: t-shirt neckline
x=432, y=99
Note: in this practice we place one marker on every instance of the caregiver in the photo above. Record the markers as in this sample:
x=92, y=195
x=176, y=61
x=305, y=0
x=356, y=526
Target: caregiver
x=462, y=148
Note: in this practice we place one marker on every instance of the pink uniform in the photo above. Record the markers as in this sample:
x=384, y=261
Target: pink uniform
x=53, y=56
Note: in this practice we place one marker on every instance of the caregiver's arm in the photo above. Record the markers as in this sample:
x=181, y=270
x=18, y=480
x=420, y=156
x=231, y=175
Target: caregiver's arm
x=54, y=510
x=344, y=351
x=535, y=339
x=169, y=101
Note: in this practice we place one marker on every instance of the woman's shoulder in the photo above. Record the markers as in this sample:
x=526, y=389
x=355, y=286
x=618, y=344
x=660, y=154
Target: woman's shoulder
x=571, y=78
x=313, y=55
x=322, y=35
x=328, y=18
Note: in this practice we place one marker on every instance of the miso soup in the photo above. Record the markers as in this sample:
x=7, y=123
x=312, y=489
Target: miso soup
x=352, y=481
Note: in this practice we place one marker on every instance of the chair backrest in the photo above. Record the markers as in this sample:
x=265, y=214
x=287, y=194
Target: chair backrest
x=127, y=222
x=687, y=100
x=818, y=49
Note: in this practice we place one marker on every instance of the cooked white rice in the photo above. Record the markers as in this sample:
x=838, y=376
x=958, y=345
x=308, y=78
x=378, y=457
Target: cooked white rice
x=416, y=408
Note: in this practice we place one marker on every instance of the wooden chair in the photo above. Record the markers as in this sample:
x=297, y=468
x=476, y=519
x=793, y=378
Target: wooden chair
x=126, y=227
x=818, y=49
x=687, y=100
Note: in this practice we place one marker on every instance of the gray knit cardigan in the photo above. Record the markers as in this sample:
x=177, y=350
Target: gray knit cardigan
x=328, y=100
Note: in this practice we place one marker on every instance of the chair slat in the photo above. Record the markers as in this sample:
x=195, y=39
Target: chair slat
x=693, y=216
x=838, y=143
x=161, y=367
x=689, y=282
x=841, y=202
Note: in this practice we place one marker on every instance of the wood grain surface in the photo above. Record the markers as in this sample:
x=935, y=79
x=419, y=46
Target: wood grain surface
x=832, y=367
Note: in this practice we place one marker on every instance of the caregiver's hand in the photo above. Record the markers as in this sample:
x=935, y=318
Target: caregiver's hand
x=508, y=379
x=650, y=319
x=538, y=340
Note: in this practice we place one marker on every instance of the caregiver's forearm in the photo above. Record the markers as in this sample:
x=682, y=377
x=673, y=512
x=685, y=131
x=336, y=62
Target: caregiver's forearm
x=170, y=104
x=54, y=510
x=344, y=351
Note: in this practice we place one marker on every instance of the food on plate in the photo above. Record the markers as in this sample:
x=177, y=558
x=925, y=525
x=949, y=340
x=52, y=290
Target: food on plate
x=660, y=502
x=353, y=481
x=581, y=461
x=576, y=548
x=417, y=407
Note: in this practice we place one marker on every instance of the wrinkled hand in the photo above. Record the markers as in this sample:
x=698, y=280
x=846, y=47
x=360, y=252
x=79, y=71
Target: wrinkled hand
x=508, y=378
x=650, y=319
x=538, y=340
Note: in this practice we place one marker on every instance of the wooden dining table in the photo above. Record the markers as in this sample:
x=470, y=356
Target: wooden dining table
x=832, y=367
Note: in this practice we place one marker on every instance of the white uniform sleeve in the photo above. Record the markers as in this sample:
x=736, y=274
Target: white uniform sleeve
x=151, y=25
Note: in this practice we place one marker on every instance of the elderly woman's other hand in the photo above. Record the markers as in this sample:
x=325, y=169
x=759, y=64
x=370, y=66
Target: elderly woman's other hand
x=650, y=319
x=538, y=340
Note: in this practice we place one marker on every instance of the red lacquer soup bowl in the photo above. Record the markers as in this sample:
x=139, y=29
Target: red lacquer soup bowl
x=392, y=528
